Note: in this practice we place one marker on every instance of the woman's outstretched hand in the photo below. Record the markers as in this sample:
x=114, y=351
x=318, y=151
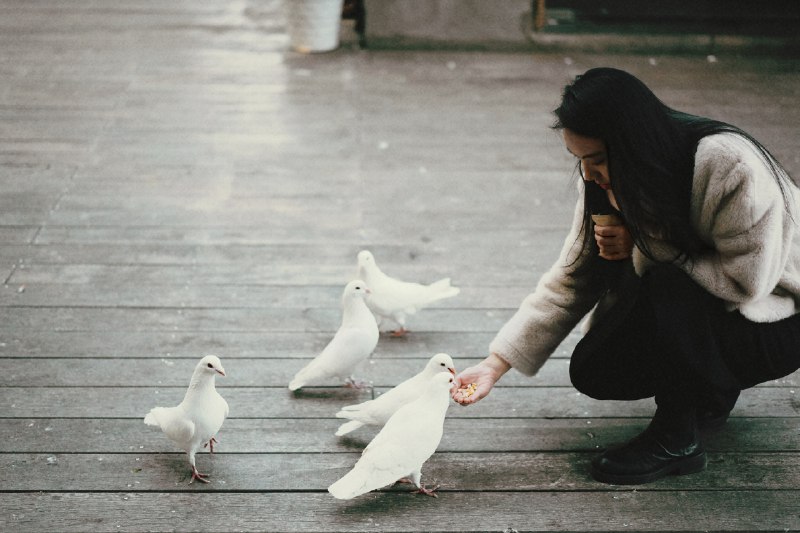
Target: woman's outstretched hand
x=615, y=242
x=483, y=375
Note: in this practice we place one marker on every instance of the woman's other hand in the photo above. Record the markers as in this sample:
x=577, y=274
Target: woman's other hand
x=615, y=242
x=484, y=375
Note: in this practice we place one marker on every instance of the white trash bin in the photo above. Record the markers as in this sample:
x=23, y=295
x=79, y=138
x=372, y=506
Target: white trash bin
x=313, y=25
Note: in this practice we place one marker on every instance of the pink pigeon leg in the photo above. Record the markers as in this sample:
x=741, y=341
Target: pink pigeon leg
x=195, y=474
x=352, y=383
x=426, y=491
x=399, y=332
x=210, y=444
x=198, y=476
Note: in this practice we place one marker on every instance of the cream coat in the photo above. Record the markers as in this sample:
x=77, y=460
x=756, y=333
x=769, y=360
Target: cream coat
x=753, y=262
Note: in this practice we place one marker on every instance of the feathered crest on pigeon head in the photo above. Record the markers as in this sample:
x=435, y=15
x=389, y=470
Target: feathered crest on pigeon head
x=211, y=364
x=441, y=362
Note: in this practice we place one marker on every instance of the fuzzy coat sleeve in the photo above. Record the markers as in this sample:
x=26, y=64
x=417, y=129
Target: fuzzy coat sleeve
x=564, y=294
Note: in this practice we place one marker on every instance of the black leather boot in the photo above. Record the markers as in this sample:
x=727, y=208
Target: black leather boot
x=669, y=445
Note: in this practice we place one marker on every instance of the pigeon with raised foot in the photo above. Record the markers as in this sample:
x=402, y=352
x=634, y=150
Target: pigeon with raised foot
x=193, y=424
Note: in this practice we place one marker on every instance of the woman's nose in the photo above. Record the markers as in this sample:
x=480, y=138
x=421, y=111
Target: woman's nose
x=588, y=173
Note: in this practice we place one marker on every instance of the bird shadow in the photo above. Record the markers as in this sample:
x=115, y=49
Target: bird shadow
x=354, y=442
x=175, y=468
x=331, y=393
x=387, y=501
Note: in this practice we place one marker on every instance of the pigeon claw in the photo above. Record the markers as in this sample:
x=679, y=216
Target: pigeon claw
x=427, y=492
x=198, y=476
x=399, y=332
x=351, y=383
x=210, y=444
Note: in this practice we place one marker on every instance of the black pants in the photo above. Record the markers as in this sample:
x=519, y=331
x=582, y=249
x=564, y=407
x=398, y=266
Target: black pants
x=673, y=340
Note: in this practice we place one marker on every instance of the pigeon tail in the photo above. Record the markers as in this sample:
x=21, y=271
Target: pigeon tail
x=347, y=427
x=303, y=377
x=151, y=418
x=351, y=485
x=442, y=289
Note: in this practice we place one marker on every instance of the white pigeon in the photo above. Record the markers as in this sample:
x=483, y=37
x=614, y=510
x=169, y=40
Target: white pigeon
x=394, y=299
x=400, y=449
x=378, y=411
x=352, y=344
x=194, y=422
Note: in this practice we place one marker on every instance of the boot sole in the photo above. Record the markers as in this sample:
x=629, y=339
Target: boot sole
x=688, y=465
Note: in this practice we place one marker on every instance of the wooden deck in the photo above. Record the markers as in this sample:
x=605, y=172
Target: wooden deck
x=174, y=183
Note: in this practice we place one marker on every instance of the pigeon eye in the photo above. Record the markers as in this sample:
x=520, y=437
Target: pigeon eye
x=442, y=364
x=210, y=365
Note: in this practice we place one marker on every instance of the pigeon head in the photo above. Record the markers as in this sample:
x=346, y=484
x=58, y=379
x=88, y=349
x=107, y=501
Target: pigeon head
x=211, y=364
x=355, y=289
x=439, y=363
x=442, y=380
x=366, y=261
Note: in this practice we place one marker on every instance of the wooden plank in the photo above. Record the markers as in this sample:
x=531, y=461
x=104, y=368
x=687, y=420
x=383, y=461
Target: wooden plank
x=150, y=289
x=17, y=234
x=232, y=345
x=256, y=265
x=260, y=402
x=15, y=319
x=469, y=472
x=490, y=238
x=282, y=435
x=400, y=260
x=379, y=372
x=733, y=510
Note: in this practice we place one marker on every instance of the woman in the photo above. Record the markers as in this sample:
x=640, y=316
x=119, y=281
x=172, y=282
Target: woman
x=694, y=290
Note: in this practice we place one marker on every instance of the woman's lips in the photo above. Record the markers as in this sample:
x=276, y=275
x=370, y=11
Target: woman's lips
x=604, y=186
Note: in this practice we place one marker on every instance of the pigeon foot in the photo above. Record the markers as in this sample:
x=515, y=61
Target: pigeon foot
x=427, y=492
x=399, y=332
x=198, y=476
x=355, y=384
x=210, y=444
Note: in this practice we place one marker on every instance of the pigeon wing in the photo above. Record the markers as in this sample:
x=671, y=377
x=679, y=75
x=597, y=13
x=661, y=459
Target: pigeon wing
x=348, y=347
x=378, y=411
x=174, y=422
x=393, y=295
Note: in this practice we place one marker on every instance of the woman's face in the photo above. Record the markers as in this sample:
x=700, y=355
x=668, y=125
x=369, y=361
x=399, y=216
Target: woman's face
x=592, y=155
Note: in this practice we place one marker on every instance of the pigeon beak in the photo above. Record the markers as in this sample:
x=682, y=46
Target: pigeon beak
x=220, y=372
x=367, y=291
x=452, y=371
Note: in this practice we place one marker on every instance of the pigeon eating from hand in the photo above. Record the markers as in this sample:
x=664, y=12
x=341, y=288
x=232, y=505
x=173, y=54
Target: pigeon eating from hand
x=378, y=411
x=394, y=299
x=194, y=422
x=400, y=449
x=352, y=344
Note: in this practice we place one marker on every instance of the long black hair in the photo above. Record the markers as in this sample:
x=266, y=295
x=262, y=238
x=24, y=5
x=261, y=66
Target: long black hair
x=650, y=150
